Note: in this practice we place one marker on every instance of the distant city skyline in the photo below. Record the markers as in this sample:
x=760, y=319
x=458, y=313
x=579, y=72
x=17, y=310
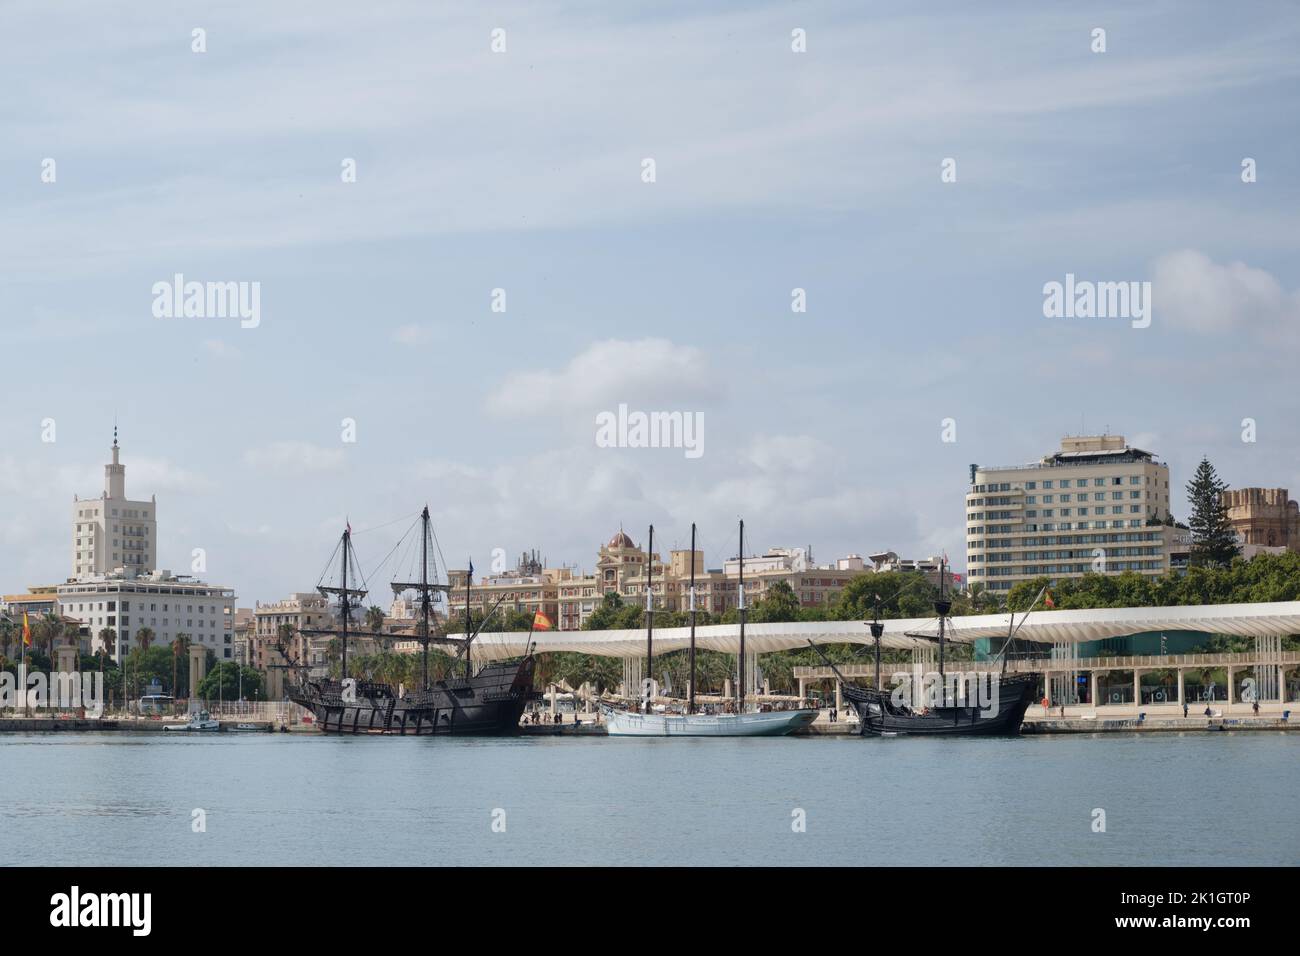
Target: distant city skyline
x=516, y=181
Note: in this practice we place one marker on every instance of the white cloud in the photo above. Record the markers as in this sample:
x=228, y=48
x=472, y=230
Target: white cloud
x=221, y=349
x=413, y=333
x=792, y=452
x=655, y=371
x=286, y=458
x=1192, y=291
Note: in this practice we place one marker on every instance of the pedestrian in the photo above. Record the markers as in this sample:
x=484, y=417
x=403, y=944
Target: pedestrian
x=1184, y=709
x=1255, y=707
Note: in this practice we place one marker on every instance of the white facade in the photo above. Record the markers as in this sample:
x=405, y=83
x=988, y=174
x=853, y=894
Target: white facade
x=165, y=604
x=112, y=532
x=1087, y=507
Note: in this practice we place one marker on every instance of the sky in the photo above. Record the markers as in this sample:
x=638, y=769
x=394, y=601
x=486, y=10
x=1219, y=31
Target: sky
x=524, y=170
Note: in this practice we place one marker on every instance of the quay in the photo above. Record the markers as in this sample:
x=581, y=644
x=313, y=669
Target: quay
x=132, y=724
x=1077, y=721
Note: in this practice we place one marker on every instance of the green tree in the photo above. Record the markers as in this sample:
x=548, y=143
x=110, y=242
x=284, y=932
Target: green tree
x=1214, y=544
x=223, y=682
x=51, y=629
x=145, y=637
x=180, y=647
x=374, y=619
x=609, y=615
x=780, y=603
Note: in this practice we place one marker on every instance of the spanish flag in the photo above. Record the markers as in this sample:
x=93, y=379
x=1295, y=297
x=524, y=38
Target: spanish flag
x=1047, y=600
x=541, y=622
x=27, y=631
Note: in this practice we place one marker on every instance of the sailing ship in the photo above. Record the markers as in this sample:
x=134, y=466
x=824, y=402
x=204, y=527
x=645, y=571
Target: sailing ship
x=488, y=701
x=986, y=704
x=646, y=723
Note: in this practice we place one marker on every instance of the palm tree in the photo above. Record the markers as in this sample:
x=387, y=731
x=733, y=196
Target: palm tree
x=51, y=627
x=374, y=619
x=180, y=645
x=107, y=638
x=144, y=637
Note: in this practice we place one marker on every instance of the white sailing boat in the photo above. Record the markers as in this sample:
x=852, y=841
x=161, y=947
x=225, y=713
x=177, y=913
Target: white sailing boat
x=773, y=723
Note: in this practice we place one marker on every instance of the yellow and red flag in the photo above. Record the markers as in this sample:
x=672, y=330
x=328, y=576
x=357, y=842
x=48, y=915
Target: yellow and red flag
x=1047, y=599
x=27, y=631
x=541, y=622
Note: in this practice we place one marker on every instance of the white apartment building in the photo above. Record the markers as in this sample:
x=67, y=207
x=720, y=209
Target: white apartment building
x=111, y=532
x=165, y=604
x=1092, y=506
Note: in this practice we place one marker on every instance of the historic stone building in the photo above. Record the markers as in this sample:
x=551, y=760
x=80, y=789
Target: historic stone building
x=1264, y=516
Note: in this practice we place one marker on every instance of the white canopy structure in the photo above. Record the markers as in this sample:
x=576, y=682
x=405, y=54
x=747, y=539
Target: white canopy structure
x=1048, y=627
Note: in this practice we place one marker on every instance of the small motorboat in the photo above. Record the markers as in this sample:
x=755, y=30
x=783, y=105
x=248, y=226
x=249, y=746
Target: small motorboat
x=200, y=721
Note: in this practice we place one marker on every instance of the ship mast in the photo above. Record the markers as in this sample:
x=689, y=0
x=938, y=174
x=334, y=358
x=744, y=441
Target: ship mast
x=346, y=601
x=424, y=595
x=877, y=629
x=942, y=607
x=740, y=708
x=469, y=579
x=426, y=589
x=690, y=702
x=344, y=593
x=649, y=622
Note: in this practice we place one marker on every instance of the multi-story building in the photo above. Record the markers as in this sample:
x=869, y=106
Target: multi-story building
x=303, y=611
x=569, y=597
x=39, y=600
x=1095, y=505
x=166, y=604
x=1264, y=517
x=245, y=631
x=528, y=588
x=112, y=532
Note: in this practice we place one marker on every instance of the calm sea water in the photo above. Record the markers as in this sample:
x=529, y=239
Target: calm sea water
x=117, y=799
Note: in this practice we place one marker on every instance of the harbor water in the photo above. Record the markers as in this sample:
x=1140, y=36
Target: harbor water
x=248, y=799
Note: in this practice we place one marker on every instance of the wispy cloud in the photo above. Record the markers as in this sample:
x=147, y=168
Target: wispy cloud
x=607, y=373
x=1198, y=294
x=293, y=458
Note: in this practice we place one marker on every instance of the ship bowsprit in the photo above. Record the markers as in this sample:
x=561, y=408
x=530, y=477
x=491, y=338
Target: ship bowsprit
x=488, y=704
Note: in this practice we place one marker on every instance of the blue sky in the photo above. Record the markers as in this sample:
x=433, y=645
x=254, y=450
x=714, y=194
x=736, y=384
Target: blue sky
x=521, y=171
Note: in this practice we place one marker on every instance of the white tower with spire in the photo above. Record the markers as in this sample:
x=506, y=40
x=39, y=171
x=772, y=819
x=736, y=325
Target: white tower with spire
x=111, y=532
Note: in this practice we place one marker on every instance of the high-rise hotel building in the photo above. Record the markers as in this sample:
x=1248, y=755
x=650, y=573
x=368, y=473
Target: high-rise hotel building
x=1095, y=505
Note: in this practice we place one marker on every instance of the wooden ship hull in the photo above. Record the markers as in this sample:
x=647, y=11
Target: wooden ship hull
x=879, y=716
x=488, y=704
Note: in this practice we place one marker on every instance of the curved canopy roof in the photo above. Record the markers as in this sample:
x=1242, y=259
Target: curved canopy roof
x=1247, y=620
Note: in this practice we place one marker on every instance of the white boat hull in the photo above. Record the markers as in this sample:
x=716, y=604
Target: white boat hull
x=778, y=723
